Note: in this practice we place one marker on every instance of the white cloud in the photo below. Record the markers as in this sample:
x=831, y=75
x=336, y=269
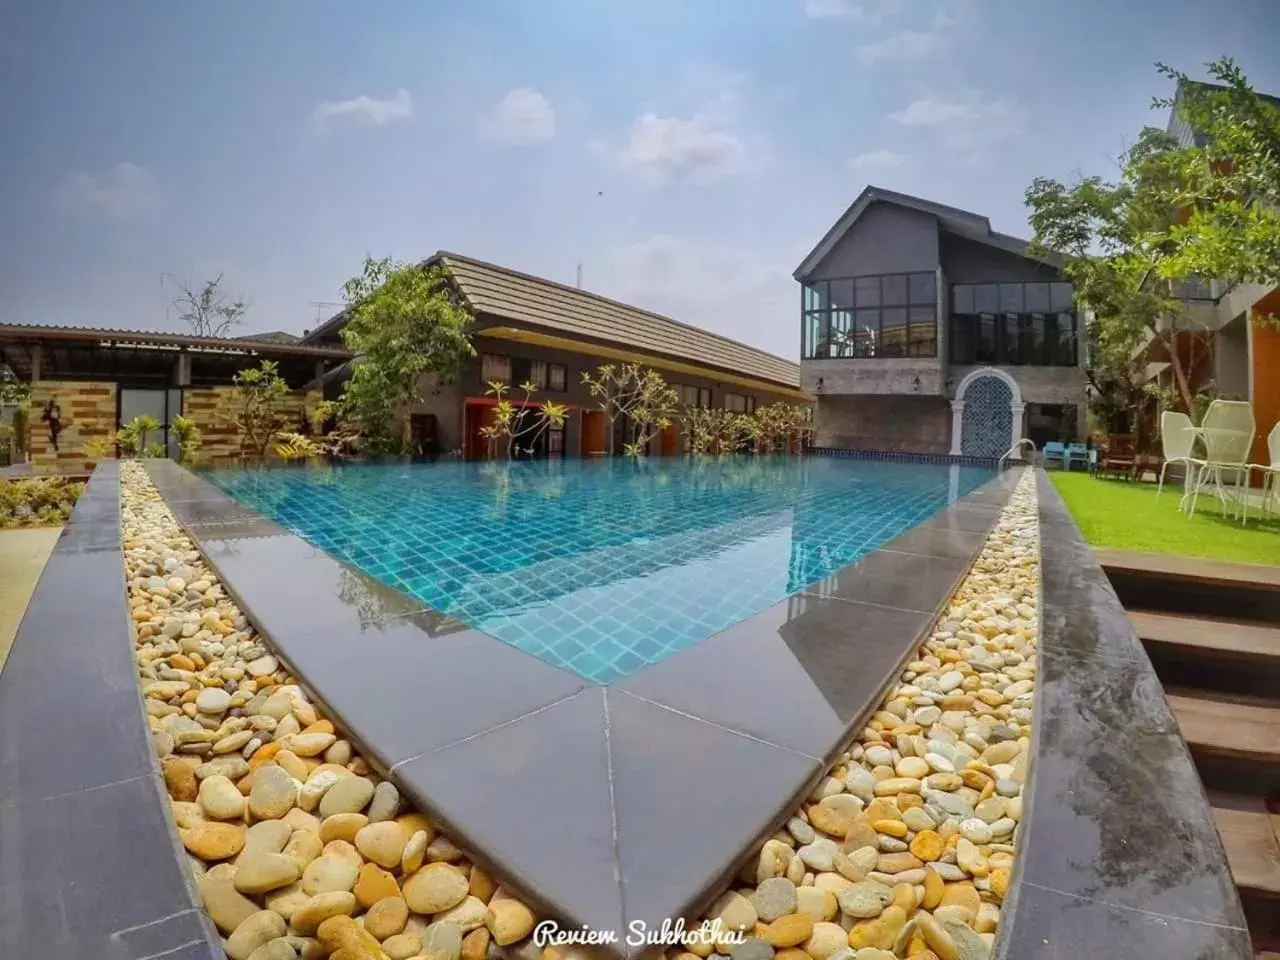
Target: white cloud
x=878, y=160
x=863, y=11
x=963, y=123
x=523, y=116
x=750, y=298
x=902, y=45
x=124, y=192
x=669, y=146
x=363, y=109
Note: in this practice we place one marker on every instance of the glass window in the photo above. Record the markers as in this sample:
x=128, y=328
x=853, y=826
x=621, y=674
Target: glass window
x=986, y=298
x=922, y=336
x=868, y=291
x=704, y=397
x=735, y=403
x=558, y=377
x=866, y=337
x=1060, y=297
x=1037, y=295
x=751, y=404
x=1010, y=298
x=840, y=324
x=985, y=346
x=924, y=288
x=841, y=294
x=494, y=367
x=893, y=290
x=1011, y=345
x=538, y=373
x=964, y=339
x=893, y=332
x=815, y=296
x=962, y=298
x=1063, y=345
x=1035, y=342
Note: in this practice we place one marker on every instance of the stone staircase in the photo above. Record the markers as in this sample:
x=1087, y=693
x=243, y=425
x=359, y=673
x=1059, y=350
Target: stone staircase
x=1212, y=631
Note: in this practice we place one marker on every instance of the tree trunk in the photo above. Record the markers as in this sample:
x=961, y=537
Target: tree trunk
x=1179, y=374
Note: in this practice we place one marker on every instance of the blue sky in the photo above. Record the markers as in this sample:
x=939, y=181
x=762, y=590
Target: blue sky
x=687, y=152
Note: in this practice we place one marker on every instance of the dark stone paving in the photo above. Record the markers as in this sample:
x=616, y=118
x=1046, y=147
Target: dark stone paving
x=604, y=805
x=1119, y=854
x=90, y=864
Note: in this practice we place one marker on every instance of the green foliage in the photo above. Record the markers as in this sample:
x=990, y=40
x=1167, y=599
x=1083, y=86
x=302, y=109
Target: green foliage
x=188, y=437
x=37, y=501
x=715, y=430
x=254, y=406
x=132, y=438
x=1107, y=233
x=403, y=321
x=523, y=422
x=636, y=394
x=777, y=424
x=13, y=390
x=297, y=446
x=207, y=310
x=1229, y=187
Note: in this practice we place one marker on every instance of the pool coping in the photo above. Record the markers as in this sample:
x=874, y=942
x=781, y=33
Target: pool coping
x=736, y=719
x=1118, y=851
x=90, y=859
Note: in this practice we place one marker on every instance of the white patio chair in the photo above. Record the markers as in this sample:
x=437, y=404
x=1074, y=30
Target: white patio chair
x=1227, y=433
x=1177, y=439
x=1270, y=474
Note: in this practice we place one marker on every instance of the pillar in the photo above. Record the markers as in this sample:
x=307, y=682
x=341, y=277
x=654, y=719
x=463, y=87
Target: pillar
x=957, y=414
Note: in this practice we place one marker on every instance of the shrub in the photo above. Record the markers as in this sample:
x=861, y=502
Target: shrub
x=37, y=501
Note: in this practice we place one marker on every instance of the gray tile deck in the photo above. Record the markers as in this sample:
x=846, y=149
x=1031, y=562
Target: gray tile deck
x=89, y=860
x=579, y=794
x=1120, y=854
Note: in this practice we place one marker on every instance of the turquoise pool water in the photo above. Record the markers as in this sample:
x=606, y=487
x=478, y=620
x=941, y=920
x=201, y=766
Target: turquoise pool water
x=602, y=566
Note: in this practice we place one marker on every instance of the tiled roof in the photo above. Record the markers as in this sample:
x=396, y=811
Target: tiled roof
x=251, y=344
x=273, y=336
x=558, y=308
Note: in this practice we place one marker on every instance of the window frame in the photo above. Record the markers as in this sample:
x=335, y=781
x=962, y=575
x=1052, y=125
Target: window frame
x=1036, y=338
x=564, y=377
x=855, y=330
x=485, y=380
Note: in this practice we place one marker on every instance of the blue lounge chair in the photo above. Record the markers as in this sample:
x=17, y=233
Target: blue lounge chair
x=1076, y=451
x=1054, y=452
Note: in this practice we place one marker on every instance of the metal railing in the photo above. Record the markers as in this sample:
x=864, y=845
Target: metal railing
x=1016, y=448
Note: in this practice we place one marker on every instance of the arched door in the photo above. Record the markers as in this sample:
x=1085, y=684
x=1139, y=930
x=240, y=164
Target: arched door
x=986, y=425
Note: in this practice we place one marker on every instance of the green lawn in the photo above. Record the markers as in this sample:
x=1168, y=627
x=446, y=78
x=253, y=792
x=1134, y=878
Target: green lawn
x=1127, y=515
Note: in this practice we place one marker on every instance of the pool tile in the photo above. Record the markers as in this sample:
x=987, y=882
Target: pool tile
x=906, y=581
x=72, y=643
x=691, y=799
x=1044, y=924
x=825, y=659
x=535, y=795
x=937, y=542
x=413, y=684
x=288, y=586
x=603, y=567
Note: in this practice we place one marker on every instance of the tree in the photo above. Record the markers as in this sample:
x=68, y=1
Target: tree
x=636, y=394
x=1110, y=236
x=520, y=423
x=403, y=321
x=1227, y=186
x=254, y=407
x=208, y=311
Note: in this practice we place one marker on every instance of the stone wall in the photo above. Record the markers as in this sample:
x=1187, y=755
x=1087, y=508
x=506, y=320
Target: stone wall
x=88, y=414
x=219, y=436
x=898, y=424
x=892, y=375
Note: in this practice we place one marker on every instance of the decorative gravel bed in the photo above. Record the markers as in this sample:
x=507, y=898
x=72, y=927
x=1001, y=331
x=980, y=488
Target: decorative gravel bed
x=904, y=850
x=299, y=848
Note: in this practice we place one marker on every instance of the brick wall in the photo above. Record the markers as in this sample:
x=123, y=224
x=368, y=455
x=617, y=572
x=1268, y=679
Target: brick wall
x=899, y=424
x=88, y=414
x=219, y=436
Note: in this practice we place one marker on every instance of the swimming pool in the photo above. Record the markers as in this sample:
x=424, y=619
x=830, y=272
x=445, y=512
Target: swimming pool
x=602, y=566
